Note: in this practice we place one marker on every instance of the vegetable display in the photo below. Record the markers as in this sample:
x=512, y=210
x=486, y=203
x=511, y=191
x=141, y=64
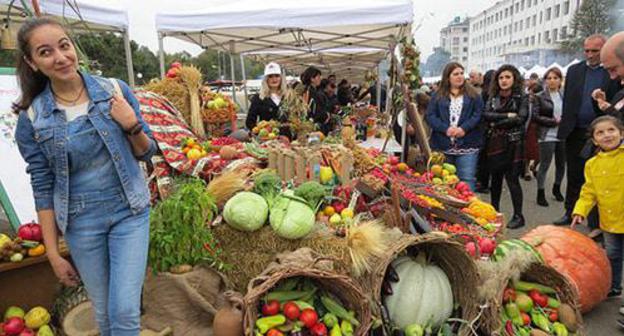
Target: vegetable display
x=297, y=306
x=246, y=211
x=291, y=217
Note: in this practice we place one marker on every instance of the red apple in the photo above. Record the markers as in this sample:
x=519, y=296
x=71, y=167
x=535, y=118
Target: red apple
x=13, y=326
x=487, y=246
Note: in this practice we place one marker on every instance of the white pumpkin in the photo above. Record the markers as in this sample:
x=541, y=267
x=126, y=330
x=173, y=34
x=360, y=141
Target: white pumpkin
x=422, y=295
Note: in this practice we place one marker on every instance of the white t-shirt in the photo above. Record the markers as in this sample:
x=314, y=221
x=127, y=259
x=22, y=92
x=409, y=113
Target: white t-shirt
x=276, y=98
x=73, y=112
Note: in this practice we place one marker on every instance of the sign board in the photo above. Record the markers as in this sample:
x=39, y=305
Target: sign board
x=15, y=190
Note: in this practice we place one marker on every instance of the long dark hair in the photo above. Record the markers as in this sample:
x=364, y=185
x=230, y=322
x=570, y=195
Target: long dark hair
x=518, y=83
x=308, y=74
x=487, y=84
x=31, y=82
x=444, y=90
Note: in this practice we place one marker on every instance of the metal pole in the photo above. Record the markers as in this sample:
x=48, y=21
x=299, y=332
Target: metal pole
x=219, y=63
x=242, y=60
x=129, y=64
x=378, y=102
x=161, y=55
x=232, y=72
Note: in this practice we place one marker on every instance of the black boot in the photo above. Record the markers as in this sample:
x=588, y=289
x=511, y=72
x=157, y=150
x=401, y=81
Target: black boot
x=517, y=221
x=541, y=198
x=565, y=220
x=557, y=193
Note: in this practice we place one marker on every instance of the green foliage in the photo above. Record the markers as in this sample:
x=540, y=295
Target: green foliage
x=180, y=231
x=8, y=58
x=268, y=184
x=593, y=17
x=313, y=192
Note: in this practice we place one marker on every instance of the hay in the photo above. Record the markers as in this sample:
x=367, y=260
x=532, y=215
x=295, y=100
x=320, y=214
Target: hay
x=450, y=256
x=249, y=253
x=305, y=263
x=175, y=92
x=519, y=264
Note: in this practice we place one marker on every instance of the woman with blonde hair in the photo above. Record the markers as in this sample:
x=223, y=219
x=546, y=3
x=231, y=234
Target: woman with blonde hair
x=266, y=104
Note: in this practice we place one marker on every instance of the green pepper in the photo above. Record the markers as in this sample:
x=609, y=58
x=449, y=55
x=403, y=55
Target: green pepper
x=266, y=323
x=540, y=321
x=335, y=330
x=528, y=286
x=414, y=330
x=560, y=329
x=346, y=327
x=330, y=320
x=513, y=312
x=523, y=332
x=553, y=303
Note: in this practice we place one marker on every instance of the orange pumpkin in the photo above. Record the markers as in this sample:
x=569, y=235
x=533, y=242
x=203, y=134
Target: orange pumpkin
x=578, y=258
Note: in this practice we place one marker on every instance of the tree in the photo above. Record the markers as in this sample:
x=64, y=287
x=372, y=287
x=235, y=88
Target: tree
x=436, y=61
x=593, y=17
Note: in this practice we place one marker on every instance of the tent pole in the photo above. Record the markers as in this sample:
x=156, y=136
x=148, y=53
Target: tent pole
x=129, y=64
x=233, y=77
x=219, y=63
x=378, y=81
x=244, y=74
x=161, y=55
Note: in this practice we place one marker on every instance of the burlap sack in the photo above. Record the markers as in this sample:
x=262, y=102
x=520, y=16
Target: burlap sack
x=186, y=302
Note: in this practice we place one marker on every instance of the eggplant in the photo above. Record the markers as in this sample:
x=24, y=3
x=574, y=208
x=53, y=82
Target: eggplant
x=391, y=274
x=386, y=288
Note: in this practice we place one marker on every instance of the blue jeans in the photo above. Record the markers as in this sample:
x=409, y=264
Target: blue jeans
x=466, y=165
x=614, y=243
x=109, y=245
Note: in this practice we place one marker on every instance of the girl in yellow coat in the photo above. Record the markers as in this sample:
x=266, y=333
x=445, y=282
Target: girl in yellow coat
x=604, y=187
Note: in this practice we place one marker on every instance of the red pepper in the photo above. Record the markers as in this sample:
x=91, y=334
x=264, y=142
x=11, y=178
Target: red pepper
x=509, y=295
x=509, y=328
x=538, y=298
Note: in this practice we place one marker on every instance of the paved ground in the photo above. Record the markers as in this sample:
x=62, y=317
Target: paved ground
x=600, y=321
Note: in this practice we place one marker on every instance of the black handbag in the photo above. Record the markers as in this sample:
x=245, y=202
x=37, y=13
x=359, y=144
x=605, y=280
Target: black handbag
x=514, y=136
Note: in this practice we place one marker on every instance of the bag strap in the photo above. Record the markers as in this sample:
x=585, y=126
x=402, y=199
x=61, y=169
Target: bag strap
x=31, y=113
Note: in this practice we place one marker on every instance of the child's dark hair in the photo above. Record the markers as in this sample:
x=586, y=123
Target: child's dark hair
x=605, y=118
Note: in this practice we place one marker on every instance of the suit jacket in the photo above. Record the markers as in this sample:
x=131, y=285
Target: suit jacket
x=263, y=109
x=572, y=96
x=438, y=119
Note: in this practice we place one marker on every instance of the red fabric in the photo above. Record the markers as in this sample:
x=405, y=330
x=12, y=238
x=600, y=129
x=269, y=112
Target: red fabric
x=531, y=147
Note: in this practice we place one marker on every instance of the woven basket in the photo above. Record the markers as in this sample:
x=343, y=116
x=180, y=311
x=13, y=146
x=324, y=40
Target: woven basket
x=539, y=273
x=325, y=278
x=448, y=255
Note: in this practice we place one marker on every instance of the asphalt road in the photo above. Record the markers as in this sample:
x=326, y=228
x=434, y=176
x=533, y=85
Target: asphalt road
x=602, y=320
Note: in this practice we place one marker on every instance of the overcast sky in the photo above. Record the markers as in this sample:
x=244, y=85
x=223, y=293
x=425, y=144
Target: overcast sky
x=433, y=15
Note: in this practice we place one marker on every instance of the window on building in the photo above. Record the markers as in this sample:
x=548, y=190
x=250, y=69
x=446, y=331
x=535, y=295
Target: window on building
x=534, y=20
x=465, y=39
x=526, y=41
x=511, y=10
x=555, y=35
x=539, y=38
x=528, y=22
x=548, y=13
x=465, y=49
x=557, y=10
x=529, y=4
x=564, y=33
x=455, y=40
x=506, y=12
x=547, y=36
x=541, y=13
x=566, y=7
x=533, y=40
x=517, y=7
x=505, y=30
x=521, y=25
x=465, y=29
x=464, y=59
x=534, y=2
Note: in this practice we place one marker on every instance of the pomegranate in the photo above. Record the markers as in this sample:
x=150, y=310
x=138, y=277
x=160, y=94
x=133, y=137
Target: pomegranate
x=13, y=326
x=30, y=231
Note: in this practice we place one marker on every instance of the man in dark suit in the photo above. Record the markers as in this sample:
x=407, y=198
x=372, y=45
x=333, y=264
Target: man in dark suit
x=579, y=110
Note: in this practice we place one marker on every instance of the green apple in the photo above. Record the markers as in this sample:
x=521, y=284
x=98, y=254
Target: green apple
x=14, y=311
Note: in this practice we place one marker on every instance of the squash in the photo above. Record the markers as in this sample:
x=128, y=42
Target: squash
x=578, y=258
x=423, y=294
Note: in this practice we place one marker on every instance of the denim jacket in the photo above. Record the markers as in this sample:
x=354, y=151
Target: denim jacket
x=43, y=145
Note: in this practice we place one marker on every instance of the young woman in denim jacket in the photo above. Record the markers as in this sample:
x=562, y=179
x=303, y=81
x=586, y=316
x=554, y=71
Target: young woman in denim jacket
x=506, y=113
x=454, y=115
x=82, y=142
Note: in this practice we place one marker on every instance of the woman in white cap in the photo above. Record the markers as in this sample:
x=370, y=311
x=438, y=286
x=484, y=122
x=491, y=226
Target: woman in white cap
x=265, y=105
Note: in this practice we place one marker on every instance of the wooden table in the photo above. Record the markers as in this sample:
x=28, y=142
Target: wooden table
x=29, y=283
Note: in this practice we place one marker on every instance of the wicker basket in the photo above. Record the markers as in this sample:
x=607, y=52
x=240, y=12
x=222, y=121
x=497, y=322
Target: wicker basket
x=535, y=272
x=325, y=278
x=448, y=255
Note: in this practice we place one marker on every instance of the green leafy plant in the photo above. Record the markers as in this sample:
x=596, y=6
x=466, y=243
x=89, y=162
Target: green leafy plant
x=180, y=232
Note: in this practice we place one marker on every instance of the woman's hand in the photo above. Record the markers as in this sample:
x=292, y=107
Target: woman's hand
x=64, y=271
x=122, y=112
x=603, y=105
x=576, y=219
x=511, y=115
x=460, y=133
x=451, y=131
x=599, y=95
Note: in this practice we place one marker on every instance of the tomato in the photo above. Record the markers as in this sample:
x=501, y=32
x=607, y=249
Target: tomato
x=553, y=316
x=525, y=318
x=309, y=317
x=319, y=329
x=509, y=295
x=539, y=298
x=291, y=310
x=271, y=308
x=274, y=332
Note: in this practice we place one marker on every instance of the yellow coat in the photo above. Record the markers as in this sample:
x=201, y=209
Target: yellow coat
x=604, y=186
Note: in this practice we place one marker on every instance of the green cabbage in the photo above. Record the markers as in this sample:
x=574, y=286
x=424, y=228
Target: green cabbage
x=291, y=217
x=246, y=211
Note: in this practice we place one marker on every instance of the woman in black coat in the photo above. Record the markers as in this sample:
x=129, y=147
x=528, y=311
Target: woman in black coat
x=506, y=113
x=316, y=99
x=266, y=104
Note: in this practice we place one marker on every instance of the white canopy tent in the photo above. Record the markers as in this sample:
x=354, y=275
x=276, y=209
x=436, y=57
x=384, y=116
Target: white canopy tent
x=77, y=16
x=302, y=27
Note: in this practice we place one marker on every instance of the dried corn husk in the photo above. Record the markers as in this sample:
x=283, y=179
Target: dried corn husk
x=191, y=77
x=223, y=187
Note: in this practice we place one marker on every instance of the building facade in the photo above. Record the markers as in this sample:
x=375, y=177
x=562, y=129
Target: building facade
x=520, y=32
x=455, y=39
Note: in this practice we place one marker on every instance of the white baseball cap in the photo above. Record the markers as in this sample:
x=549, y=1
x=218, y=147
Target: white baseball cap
x=272, y=69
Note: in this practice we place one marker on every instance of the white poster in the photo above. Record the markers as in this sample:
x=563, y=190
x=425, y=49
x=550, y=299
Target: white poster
x=12, y=167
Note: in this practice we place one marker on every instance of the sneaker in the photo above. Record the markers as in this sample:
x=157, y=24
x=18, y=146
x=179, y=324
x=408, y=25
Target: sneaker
x=614, y=293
